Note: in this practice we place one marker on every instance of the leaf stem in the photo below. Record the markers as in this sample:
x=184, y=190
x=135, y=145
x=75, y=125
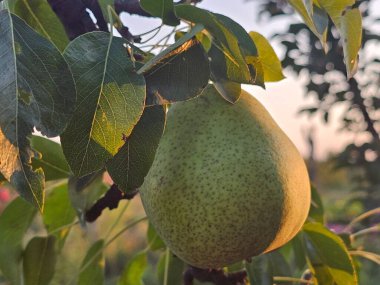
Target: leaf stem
x=371, y=230
x=367, y=255
x=363, y=216
x=291, y=279
x=112, y=227
x=166, y=273
x=63, y=227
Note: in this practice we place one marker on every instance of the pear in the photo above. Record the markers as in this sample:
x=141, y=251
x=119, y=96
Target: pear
x=226, y=183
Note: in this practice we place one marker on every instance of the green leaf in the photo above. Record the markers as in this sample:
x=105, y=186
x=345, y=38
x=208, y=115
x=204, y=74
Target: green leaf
x=335, y=8
x=298, y=250
x=259, y=270
x=154, y=240
x=170, y=269
x=328, y=256
x=27, y=101
x=111, y=99
x=14, y=222
x=133, y=272
x=164, y=54
x=92, y=268
x=321, y=19
x=185, y=63
x=133, y=161
x=163, y=9
x=280, y=267
x=248, y=49
x=229, y=90
x=58, y=213
x=316, y=212
x=84, y=191
x=103, y=5
x=39, y=261
x=39, y=15
x=226, y=39
x=50, y=158
x=349, y=24
x=268, y=58
x=351, y=31
x=187, y=66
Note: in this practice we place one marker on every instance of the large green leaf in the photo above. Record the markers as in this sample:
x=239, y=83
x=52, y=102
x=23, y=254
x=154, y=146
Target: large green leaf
x=328, y=256
x=223, y=35
x=185, y=63
x=92, y=268
x=50, y=158
x=39, y=261
x=14, y=222
x=134, y=270
x=36, y=90
x=268, y=58
x=133, y=161
x=58, y=214
x=161, y=8
x=259, y=270
x=187, y=66
x=111, y=99
x=39, y=15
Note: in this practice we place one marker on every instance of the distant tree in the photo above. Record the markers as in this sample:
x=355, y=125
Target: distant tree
x=327, y=82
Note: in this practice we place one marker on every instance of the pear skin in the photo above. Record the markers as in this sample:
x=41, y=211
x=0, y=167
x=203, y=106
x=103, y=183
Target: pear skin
x=226, y=183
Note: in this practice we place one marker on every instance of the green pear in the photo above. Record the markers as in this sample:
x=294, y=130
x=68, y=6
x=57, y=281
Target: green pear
x=226, y=183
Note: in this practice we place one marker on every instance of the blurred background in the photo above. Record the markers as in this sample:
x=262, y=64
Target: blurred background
x=334, y=122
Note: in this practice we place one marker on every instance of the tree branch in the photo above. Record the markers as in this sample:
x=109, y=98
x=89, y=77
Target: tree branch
x=110, y=200
x=133, y=7
x=74, y=17
x=359, y=101
x=130, y=6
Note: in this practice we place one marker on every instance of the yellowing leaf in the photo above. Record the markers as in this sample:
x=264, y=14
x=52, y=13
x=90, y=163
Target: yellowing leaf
x=351, y=32
x=335, y=8
x=268, y=58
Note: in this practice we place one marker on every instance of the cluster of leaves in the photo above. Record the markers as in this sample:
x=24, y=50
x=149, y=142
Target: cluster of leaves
x=327, y=83
x=108, y=108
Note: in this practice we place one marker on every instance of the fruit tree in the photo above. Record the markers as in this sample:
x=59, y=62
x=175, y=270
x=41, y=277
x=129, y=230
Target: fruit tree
x=227, y=196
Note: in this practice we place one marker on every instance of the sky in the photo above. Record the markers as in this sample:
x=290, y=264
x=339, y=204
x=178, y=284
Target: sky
x=282, y=99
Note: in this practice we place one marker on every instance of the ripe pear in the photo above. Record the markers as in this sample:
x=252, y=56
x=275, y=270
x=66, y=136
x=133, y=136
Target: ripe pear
x=226, y=183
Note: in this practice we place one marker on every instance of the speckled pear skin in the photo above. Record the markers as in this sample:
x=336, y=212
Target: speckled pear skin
x=226, y=183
